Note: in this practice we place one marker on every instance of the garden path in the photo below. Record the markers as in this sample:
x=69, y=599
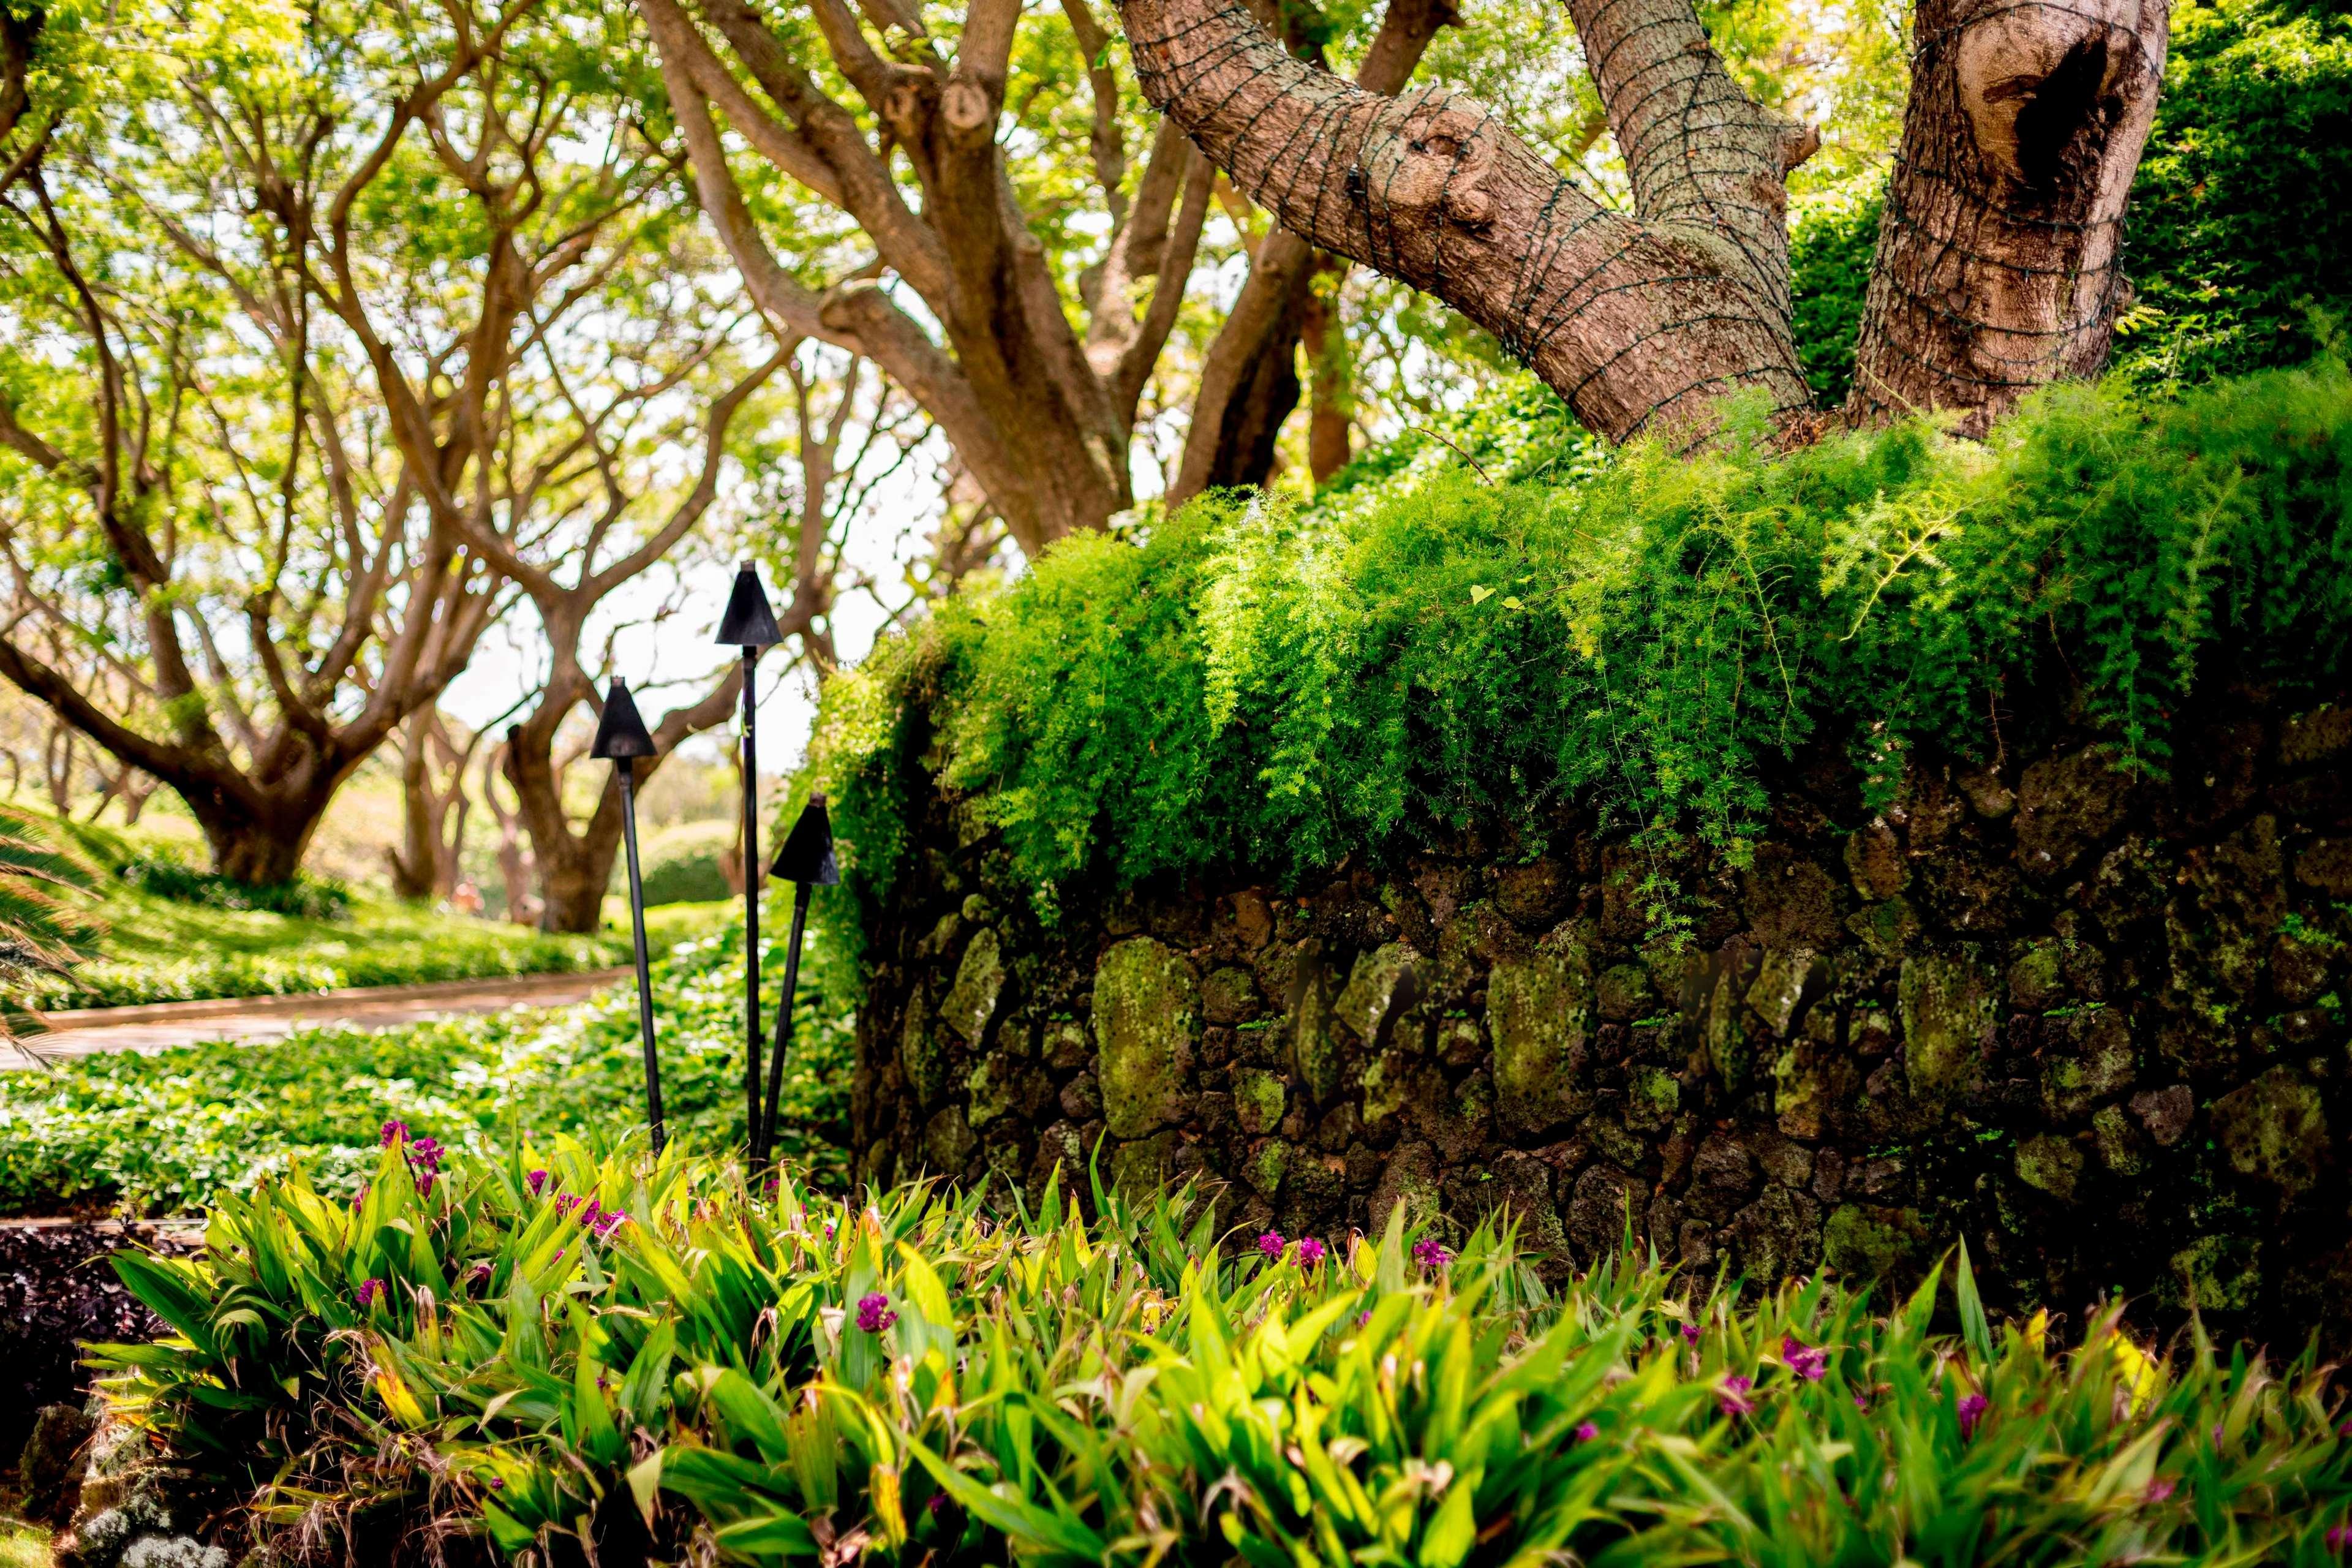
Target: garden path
x=261, y=1019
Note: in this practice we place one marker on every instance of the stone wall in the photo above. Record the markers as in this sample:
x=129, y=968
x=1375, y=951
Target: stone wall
x=2091, y=1023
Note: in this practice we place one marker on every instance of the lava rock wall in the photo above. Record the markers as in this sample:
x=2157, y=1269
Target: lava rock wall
x=2092, y=1023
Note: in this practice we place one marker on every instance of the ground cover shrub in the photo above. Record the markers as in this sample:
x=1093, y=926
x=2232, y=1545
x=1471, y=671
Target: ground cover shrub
x=305, y=898
x=1261, y=685
x=157, y=949
x=162, y=1133
x=686, y=864
x=579, y=1353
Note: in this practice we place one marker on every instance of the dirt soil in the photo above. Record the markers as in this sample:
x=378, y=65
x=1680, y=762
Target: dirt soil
x=55, y=1292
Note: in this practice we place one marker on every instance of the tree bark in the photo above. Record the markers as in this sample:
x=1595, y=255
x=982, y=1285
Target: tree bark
x=1996, y=269
x=1249, y=379
x=1638, y=321
x=575, y=866
x=1997, y=266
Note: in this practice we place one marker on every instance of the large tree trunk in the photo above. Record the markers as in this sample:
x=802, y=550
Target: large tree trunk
x=1997, y=263
x=1249, y=381
x=254, y=850
x=1998, y=258
x=575, y=868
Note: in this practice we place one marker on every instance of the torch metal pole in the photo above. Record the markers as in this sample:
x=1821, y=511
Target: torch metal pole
x=754, y=869
x=783, y=1023
x=625, y=772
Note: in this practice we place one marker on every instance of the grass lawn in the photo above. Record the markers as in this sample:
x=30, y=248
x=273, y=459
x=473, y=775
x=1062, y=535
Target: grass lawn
x=157, y=949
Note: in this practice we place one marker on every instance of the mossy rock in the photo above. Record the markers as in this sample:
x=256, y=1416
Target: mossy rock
x=1867, y=1241
x=2099, y=1066
x=1653, y=1096
x=2274, y=1129
x=971, y=1004
x=988, y=1090
x=1539, y=1010
x=2215, y=1273
x=1147, y=1010
x=920, y=1056
x=1382, y=981
x=1259, y=1100
x=1139, y=1168
x=1949, y=1008
x=2050, y=1163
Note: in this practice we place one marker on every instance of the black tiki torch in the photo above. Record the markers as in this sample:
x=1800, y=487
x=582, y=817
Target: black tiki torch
x=806, y=861
x=749, y=623
x=621, y=738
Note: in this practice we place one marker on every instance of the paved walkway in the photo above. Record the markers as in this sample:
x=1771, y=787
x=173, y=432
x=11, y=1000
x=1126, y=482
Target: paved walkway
x=259, y=1019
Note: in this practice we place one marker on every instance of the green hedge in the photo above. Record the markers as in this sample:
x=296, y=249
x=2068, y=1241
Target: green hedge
x=555, y=1349
x=1253, y=684
x=685, y=864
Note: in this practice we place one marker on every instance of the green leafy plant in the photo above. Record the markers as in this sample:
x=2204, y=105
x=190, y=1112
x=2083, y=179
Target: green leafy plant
x=305, y=898
x=557, y=1345
x=162, y=1132
x=1273, y=687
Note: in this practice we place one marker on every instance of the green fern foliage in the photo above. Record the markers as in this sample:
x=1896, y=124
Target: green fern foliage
x=1487, y=638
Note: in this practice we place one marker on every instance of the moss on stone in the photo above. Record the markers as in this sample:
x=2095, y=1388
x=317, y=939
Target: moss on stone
x=1865, y=1241
x=1782, y=984
x=1259, y=1100
x=988, y=1091
x=971, y=1002
x=1800, y=1097
x=1139, y=1168
x=1229, y=995
x=1267, y=1166
x=1540, y=1009
x=2275, y=1129
x=1372, y=989
x=920, y=1057
x=2099, y=1064
x=2215, y=1273
x=948, y=1143
x=2119, y=1143
x=1948, y=1014
x=1147, y=1006
x=1653, y=1096
x=2050, y=1163
x=1315, y=1057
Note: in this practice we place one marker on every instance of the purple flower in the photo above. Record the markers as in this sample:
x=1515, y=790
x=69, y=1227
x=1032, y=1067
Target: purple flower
x=2345, y=1430
x=1431, y=1253
x=939, y=1501
x=609, y=1221
x=390, y=1134
x=1363, y=1317
x=479, y=1274
x=1733, y=1399
x=423, y=1184
x=1972, y=1409
x=2161, y=1487
x=1271, y=1245
x=1861, y=1403
x=1690, y=1333
x=1310, y=1252
x=2339, y=1538
x=1586, y=1431
x=1808, y=1361
x=370, y=1292
x=536, y=1181
x=873, y=1313
x=497, y=1483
